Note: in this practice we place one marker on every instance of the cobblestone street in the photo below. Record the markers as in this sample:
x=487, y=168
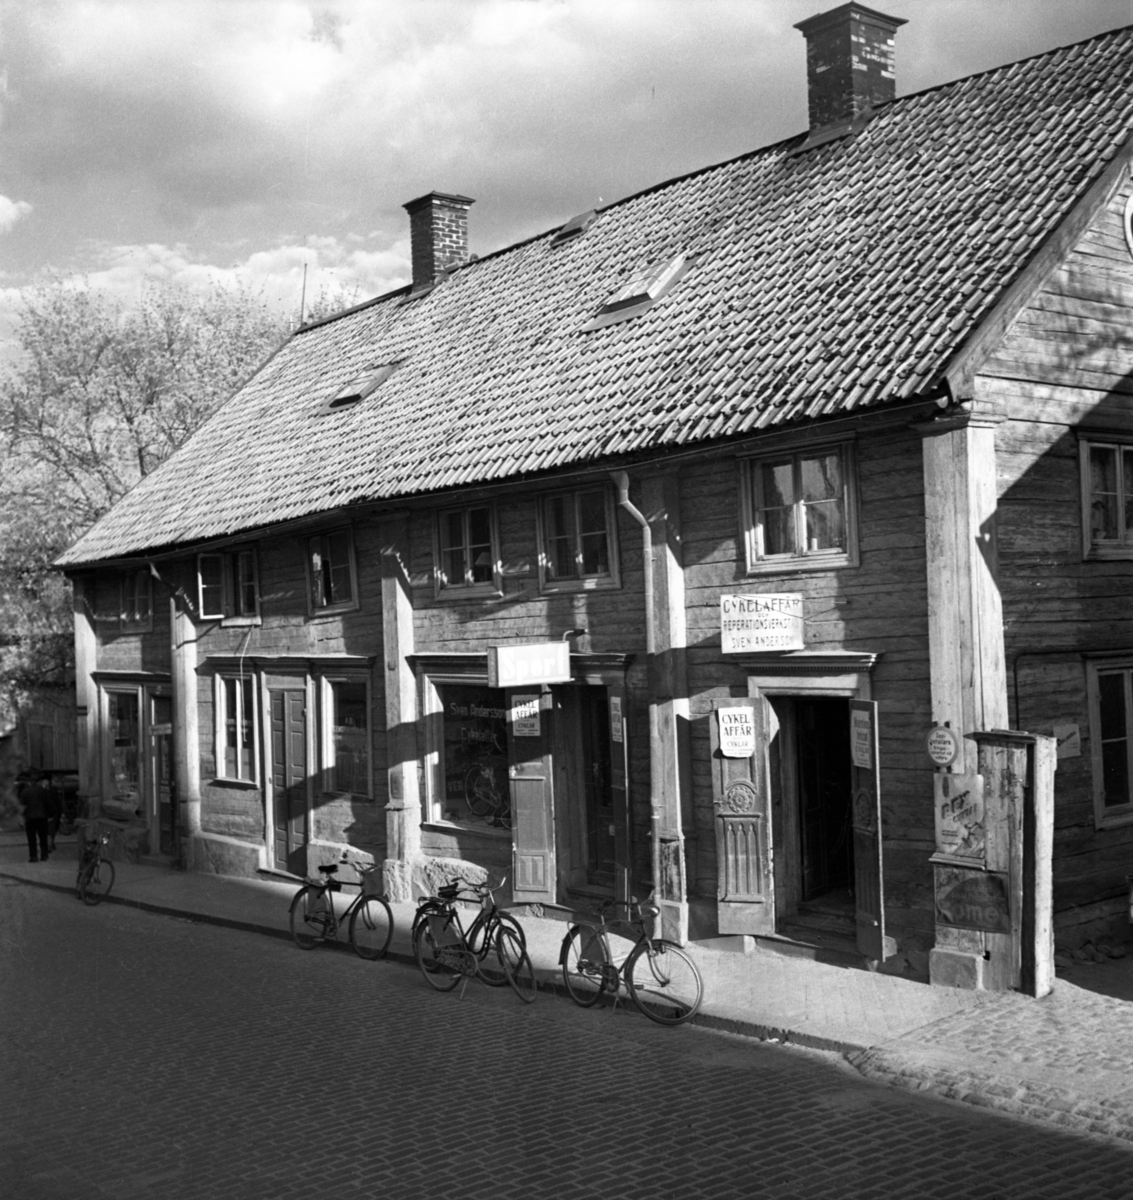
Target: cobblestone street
x=145, y=1056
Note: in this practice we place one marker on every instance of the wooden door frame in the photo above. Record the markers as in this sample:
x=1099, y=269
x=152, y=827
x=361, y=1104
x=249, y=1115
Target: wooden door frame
x=834, y=675
x=281, y=681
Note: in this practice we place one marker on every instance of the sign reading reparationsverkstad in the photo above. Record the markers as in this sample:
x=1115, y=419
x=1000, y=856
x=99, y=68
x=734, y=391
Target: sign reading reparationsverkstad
x=754, y=623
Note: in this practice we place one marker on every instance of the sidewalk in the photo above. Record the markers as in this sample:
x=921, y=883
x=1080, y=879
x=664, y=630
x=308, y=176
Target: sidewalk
x=1066, y=1059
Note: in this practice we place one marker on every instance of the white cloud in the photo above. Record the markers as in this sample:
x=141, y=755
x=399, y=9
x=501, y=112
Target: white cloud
x=11, y=211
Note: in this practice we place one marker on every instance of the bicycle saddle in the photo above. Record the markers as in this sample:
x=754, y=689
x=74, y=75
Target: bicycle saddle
x=331, y=870
x=449, y=892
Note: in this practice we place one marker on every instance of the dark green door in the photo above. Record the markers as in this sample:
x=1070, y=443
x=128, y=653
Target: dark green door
x=289, y=778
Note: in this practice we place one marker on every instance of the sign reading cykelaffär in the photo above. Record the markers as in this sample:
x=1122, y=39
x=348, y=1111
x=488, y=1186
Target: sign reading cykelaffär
x=943, y=746
x=770, y=621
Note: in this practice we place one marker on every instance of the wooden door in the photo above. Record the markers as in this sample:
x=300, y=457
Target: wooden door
x=869, y=889
x=741, y=797
x=289, y=779
x=532, y=796
x=161, y=741
x=619, y=792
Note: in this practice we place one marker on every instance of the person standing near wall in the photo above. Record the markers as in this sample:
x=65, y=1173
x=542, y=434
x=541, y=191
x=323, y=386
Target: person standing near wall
x=36, y=805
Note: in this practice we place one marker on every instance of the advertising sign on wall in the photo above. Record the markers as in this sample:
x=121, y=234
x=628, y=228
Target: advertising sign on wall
x=958, y=804
x=770, y=621
x=737, y=732
x=522, y=666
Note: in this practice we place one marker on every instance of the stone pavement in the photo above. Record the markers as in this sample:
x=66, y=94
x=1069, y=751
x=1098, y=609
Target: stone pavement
x=1066, y=1059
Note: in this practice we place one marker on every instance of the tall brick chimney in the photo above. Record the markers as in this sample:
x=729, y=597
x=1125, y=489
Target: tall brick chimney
x=849, y=61
x=438, y=235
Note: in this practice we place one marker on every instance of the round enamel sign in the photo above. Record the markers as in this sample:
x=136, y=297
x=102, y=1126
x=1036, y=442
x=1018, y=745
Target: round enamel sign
x=942, y=745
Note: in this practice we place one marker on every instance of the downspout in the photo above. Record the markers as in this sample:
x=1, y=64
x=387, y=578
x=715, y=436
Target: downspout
x=621, y=481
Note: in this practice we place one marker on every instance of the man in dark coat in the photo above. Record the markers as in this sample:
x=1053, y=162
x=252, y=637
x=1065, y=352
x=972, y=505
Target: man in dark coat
x=36, y=804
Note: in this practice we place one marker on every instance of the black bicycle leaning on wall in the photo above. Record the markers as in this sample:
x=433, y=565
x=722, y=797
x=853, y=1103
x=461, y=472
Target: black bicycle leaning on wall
x=96, y=874
x=661, y=978
x=447, y=953
x=368, y=918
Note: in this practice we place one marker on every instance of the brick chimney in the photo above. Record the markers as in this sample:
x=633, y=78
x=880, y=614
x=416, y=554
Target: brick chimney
x=438, y=235
x=849, y=61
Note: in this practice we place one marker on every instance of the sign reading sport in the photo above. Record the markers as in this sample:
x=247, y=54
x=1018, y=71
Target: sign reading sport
x=771, y=621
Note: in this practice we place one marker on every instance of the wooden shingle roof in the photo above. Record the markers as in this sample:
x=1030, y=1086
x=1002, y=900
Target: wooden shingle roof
x=824, y=281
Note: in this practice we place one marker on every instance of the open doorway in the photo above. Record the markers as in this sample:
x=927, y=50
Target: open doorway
x=813, y=831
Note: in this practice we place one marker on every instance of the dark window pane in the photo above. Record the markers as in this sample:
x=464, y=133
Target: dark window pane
x=775, y=490
x=350, y=735
x=559, y=528
x=245, y=579
x=338, y=556
x=474, y=761
x=452, y=566
x=480, y=545
x=1115, y=773
x=1111, y=697
x=825, y=526
x=212, y=585
x=1103, y=493
x=592, y=527
x=821, y=477
x=124, y=744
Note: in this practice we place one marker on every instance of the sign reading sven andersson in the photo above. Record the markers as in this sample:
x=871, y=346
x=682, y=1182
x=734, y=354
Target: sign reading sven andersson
x=764, y=622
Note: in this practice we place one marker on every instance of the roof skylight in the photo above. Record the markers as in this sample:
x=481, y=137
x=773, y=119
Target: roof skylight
x=574, y=227
x=641, y=292
x=361, y=386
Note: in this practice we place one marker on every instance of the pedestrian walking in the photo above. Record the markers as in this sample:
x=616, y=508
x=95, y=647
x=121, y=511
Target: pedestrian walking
x=36, y=803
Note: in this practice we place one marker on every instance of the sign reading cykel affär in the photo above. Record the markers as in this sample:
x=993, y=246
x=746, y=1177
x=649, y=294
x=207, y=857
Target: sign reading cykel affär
x=753, y=623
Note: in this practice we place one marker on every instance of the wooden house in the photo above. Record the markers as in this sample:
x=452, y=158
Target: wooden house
x=836, y=437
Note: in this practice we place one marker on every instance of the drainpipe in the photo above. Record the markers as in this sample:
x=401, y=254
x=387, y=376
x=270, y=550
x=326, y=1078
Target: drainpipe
x=621, y=481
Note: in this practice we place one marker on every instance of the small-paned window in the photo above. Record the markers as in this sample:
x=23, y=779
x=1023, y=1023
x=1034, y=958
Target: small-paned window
x=467, y=555
x=1107, y=499
x=228, y=584
x=578, y=543
x=346, y=740
x=136, y=611
x=801, y=509
x=236, y=728
x=331, y=566
x=1110, y=687
x=469, y=785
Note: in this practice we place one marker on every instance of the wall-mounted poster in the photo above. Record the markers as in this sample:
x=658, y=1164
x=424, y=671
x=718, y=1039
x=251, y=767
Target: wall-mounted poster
x=958, y=803
x=737, y=732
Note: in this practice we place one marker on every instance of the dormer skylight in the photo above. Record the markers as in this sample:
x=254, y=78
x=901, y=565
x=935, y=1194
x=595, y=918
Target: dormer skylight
x=361, y=386
x=574, y=227
x=641, y=292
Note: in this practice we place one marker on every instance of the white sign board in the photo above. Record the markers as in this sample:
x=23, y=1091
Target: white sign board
x=942, y=745
x=737, y=732
x=521, y=666
x=525, y=716
x=616, y=718
x=771, y=621
x=861, y=739
x=1069, y=741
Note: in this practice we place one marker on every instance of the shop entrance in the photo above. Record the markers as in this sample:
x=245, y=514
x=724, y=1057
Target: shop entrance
x=813, y=817
x=584, y=769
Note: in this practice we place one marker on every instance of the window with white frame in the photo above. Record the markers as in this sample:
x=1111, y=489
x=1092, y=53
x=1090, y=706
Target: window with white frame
x=1107, y=498
x=801, y=509
x=578, y=546
x=1110, y=690
x=330, y=559
x=466, y=550
x=346, y=735
x=236, y=728
x=228, y=584
x=136, y=605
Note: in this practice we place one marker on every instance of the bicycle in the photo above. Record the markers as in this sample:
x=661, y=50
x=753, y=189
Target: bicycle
x=313, y=918
x=447, y=953
x=660, y=977
x=96, y=874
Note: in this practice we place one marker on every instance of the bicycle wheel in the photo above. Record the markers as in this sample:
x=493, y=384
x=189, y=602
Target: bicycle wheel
x=664, y=982
x=485, y=948
x=584, y=958
x=371, y=927
x=311, y=916
x=96, y=882
x=437, y=975
x=516, y=963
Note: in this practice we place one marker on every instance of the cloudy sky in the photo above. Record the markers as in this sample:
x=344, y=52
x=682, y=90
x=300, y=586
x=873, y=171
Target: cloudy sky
x=192, y=139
